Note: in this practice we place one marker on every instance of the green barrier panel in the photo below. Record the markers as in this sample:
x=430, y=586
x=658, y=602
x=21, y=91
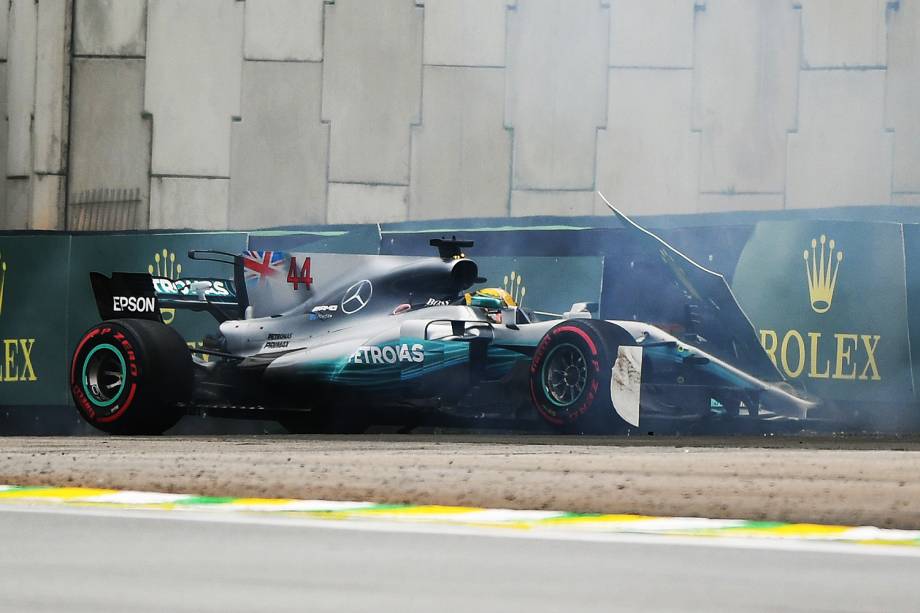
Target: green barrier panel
x=545, y=283
x=33, y=319
x=161, y=254
x=829, y=302
x=912, y=260
x=356, y=239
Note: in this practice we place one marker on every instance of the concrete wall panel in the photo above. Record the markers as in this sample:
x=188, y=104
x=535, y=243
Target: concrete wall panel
x=4, y=134
x=911, y=199
x=465, y=32
x=372, y=88
x=461, y=154
x=652, y=33
x=180, y=202
x=841, y=154
x=648, y=156
x=194, y=63
x=525, y=202
x=47, y=207
x=904, y=95
x=669, y=106
x=111, y=27
x=21, y=86
x=15, y=213
x=280, y=147
x=840, y=33
x=4, y=29
x=284, y=30
x=557, y=79
x=723, y=203
x=51, y=85
x=357, y=203
x=746, y=85
x=110, y=137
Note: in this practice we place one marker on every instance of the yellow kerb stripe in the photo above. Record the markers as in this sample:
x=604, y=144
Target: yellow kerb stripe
x=64, y=493
x=790, y=530
x=420, y=510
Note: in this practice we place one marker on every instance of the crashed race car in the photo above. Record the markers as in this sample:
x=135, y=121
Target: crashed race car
x=406, y=338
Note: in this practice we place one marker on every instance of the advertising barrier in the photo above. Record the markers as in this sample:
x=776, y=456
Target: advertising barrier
x=716, y=247
x=33, y=319
x=912, y=270
x=829, y=301
x=550, y=284
x=352, y=239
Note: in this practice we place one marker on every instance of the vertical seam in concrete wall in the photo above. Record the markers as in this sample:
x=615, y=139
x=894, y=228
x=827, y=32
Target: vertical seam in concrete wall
x=146, y=114
x=606, y=89
x=30, y=174
x=797, y=6
x=69, y=112
x=698, y=7
x=890, y=7
x=235, y=119
x=419, y=119
x=322, y=101
x=511, y=6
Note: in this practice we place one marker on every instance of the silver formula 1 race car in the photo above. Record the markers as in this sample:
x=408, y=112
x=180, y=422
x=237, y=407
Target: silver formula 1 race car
x=394, y=338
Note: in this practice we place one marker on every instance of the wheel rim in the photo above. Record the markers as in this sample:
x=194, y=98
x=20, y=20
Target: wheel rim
x=104, y=375
x=565, y=375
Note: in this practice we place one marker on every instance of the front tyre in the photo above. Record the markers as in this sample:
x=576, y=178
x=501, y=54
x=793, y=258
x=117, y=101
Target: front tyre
x=128, y=375
x=570, y=376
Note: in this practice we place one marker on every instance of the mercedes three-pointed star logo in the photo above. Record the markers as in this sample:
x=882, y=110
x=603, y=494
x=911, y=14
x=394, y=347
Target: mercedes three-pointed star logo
x=357, y=296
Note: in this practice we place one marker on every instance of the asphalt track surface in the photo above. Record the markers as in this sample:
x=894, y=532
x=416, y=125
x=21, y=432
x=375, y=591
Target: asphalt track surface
x=830, y=480
x=97, y=561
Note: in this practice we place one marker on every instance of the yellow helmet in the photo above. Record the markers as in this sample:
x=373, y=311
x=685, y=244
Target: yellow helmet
x=494, y=297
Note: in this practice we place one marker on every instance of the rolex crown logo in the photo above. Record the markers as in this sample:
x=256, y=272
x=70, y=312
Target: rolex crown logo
x=164, y=265
x=2, y=280
x=821, y=268
x=515, y=287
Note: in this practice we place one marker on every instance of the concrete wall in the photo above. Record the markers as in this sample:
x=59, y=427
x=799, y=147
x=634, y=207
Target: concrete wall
x=240, y=114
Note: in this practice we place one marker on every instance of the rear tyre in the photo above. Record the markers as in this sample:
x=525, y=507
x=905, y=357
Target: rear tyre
x=570, y=376
x=127, y=376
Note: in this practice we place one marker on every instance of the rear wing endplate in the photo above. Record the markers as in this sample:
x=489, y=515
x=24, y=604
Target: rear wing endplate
x=125, y=295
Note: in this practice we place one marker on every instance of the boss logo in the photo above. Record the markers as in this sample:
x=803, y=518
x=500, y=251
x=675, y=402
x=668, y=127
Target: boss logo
x=134, y=304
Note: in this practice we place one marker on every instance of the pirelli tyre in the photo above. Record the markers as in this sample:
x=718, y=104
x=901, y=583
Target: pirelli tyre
x=570, y=376
x=127, y=376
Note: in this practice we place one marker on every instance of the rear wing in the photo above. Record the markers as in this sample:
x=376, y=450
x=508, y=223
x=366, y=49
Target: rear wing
x=141, y=296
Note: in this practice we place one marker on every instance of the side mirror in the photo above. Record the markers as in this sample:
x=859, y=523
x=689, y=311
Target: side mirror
x=580, y=310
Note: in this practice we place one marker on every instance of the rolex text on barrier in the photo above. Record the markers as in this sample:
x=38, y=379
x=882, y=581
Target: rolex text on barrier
x=33, y=279
x=829, y=303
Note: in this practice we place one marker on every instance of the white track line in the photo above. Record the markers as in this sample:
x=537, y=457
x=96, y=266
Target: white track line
x=750, y=543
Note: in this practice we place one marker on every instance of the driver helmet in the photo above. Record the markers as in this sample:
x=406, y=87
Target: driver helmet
x=490, y=298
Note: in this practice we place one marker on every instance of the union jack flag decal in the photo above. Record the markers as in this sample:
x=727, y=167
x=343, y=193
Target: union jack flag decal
x=260, y=265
